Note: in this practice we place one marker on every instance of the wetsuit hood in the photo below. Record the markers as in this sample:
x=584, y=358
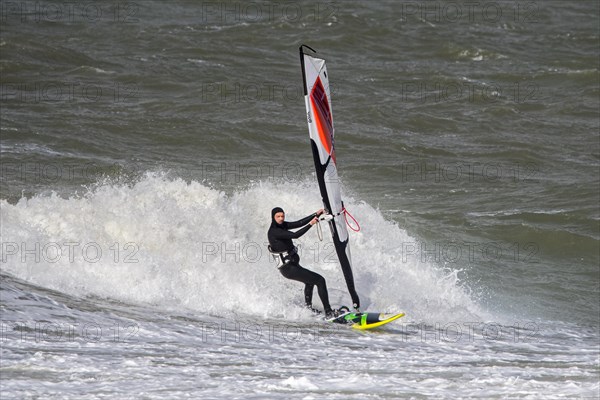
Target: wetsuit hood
x=273, y=212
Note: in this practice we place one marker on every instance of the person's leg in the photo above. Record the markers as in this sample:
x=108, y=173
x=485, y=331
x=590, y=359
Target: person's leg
x=310, y=279
x=308, y=294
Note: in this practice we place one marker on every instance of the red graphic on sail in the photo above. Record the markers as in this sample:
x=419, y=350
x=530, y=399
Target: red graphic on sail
x=323, y=118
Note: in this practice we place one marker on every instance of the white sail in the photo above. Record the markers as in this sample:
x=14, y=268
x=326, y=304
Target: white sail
x=317, y=98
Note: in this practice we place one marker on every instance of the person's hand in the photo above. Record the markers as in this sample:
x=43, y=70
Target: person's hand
x=314, y=221
x=321, y=211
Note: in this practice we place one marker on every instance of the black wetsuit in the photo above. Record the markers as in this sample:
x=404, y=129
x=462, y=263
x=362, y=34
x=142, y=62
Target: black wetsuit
x=280, y=239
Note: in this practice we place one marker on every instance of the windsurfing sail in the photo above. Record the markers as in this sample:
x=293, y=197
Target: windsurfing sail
x=317, y=98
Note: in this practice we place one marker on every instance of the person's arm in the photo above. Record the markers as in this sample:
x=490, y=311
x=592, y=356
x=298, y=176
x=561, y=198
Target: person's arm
x=284, y=234
x=304, y=221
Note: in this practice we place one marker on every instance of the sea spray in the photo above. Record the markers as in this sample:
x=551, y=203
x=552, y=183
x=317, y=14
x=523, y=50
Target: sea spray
x=173, y=243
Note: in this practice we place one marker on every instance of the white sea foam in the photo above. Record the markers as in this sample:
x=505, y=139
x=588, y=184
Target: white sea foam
x=171, y=243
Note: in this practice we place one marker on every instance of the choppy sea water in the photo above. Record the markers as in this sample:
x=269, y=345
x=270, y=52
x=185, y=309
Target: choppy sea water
x=144, y=143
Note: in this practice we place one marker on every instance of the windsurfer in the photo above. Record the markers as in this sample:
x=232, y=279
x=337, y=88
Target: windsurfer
x=280, y=243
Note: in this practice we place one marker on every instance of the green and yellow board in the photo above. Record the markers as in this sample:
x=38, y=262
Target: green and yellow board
x=366, y=320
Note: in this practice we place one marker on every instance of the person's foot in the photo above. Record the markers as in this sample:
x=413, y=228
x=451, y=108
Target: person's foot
x=336, y=313
x=313, y=310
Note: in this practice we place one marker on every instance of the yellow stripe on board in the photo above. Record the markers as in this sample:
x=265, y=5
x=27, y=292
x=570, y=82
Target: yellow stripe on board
x=376, y=324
